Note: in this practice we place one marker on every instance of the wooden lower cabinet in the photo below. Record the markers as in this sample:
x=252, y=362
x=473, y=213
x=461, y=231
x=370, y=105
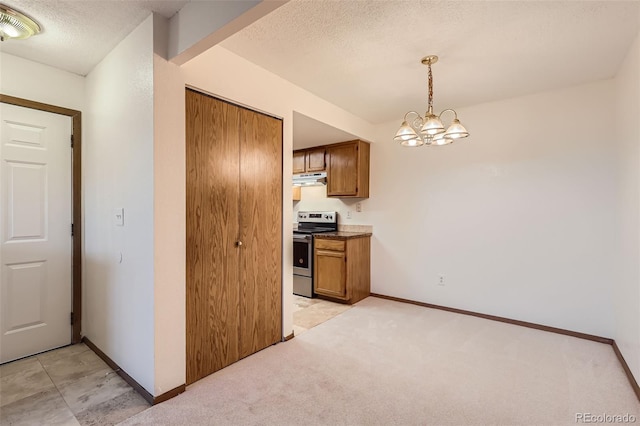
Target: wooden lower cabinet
x=342, y=268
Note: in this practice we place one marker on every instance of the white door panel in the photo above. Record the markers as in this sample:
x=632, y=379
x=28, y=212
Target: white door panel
x=35, y=231
x=26, y=200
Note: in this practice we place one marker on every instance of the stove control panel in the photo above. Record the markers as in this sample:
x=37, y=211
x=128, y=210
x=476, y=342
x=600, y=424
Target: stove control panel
x=318, y=217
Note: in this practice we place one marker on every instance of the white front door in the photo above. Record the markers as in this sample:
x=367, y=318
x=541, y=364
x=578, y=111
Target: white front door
x=35, y=231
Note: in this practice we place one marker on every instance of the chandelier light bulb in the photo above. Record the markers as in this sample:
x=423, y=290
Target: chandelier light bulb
x=432, y=126
x=405, y=133
x=456, y=130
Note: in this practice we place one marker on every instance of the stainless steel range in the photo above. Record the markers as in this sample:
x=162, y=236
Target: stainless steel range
x=309, y=223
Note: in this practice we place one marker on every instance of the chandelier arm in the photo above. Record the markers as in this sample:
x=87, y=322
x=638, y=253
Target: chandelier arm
x=416, y=123
x=449, y=109
x=411, y=112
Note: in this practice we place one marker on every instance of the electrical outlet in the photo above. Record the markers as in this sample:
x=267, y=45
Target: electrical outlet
x=348, y=214
x=441, y=279
x=358, y=207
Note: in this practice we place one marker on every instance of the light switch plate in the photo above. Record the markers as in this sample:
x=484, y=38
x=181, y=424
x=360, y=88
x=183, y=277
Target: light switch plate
x=119, y=216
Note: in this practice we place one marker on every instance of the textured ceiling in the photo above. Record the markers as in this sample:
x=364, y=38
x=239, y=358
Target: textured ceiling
x=365, y=55
x=78, y=34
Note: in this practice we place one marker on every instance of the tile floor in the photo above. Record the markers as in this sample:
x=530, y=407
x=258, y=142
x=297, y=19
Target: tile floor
x=308, y=313
x=73, y=386
x=66, y=386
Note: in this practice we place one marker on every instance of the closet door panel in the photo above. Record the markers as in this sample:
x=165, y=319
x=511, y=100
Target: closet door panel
x=261, y=231
x=196, y=290
x=222, y=233
x=212, y=233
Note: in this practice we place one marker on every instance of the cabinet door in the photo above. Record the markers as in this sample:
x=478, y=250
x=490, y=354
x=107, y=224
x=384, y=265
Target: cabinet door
x=315, y=160
x=260, y=231
x=212, y=260
x=342, y=170
x=299, y=162
x=330, y=273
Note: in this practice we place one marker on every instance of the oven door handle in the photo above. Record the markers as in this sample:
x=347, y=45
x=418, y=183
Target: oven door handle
x=302, y=238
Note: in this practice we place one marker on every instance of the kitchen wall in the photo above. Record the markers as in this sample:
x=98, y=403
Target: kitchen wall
x=626, y=137
x=119, y=172
x=315, y=198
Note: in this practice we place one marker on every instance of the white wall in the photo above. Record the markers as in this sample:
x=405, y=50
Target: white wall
x=519, y=217
x=627, y=136
x=33, y=81
x=169, y=220
x=229, y=76
x=118, y=172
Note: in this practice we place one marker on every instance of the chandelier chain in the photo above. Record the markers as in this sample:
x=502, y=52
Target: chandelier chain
x=430, y=100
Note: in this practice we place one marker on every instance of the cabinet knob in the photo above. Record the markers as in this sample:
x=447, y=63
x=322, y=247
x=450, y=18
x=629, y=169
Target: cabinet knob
x=238, y=243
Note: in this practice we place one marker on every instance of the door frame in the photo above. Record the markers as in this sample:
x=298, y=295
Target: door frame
x=76, y=197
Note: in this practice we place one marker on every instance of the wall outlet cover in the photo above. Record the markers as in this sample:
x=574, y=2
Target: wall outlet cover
x=118, y=215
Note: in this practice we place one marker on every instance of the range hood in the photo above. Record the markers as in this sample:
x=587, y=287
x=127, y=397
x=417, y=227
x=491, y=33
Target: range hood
x=310, y=179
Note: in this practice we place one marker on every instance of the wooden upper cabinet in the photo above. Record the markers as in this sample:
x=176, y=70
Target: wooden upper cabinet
x=315, y=160
x=308, y=160
x=348, y=169
x=299, y=162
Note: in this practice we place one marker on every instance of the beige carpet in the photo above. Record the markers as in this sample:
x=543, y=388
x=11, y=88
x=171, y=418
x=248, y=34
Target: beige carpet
x=390, y=363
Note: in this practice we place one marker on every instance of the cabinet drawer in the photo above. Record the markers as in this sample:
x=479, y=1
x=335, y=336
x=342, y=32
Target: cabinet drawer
x=337, y=245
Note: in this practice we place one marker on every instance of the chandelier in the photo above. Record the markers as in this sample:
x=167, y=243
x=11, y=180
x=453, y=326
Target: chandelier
x=429, y=130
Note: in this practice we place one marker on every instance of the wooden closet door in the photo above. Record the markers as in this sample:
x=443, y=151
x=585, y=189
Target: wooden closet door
x=260, y=231
x=212, y=293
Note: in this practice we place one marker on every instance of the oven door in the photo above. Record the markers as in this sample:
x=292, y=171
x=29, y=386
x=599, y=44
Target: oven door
x=302, y=255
